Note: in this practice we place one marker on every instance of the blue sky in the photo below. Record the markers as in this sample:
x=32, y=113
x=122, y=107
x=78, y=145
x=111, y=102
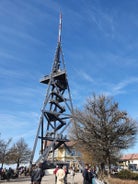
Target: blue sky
x=99, y=41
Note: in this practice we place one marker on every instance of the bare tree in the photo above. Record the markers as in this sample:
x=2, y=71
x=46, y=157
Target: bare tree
x=4, y=151
x=19, y=153
x=102, y=129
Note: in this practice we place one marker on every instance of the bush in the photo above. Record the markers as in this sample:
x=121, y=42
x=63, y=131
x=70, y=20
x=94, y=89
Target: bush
x=126, y=174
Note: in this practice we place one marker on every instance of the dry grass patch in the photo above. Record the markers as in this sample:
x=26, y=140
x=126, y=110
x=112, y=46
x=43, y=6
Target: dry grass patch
x=120, y=181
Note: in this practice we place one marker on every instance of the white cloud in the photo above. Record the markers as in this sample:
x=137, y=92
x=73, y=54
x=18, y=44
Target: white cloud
x=18, y=124
x=121, y=87
x=102, y=18
x=19, y=34
x=85, y=76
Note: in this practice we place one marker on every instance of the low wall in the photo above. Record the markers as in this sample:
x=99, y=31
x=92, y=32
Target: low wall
x=49, y=171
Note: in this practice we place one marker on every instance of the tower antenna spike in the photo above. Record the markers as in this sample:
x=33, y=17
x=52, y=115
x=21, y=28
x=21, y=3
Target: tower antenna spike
x=60, y=28
x=56, y=64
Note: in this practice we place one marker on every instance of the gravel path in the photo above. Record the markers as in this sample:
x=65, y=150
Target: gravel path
x=48, y=179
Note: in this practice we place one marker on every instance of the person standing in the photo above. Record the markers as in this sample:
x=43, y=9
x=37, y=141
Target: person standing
x=55, y=171
x=65, y=168
x=85, y=174
x=37, y=174
x=72, y=174
x=89, y=176
x=60, y=175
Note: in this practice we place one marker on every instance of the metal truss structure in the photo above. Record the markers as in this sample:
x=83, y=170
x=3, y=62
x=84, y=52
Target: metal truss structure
x=57, y=108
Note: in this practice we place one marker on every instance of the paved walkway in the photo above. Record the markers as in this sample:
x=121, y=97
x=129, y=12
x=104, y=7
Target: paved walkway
x=48, y=179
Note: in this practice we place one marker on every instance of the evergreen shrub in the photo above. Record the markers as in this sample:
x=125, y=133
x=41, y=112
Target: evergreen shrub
x=127, y=174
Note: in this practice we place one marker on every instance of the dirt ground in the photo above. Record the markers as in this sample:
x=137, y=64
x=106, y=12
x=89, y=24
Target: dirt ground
x=119, y=181
x=49, y=179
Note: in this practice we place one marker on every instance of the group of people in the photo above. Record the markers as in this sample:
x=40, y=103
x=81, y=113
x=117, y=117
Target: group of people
x=88, y=175
x=7, y=174
x=61, y=172
x=10, y=173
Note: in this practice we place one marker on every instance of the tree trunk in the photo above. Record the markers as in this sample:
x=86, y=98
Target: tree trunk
x=18, y=164
x=109, y=166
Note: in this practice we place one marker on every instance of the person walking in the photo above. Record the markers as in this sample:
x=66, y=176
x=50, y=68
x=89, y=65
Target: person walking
x=60, y=175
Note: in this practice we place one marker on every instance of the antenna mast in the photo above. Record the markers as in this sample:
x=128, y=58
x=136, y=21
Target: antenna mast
x=60, y=28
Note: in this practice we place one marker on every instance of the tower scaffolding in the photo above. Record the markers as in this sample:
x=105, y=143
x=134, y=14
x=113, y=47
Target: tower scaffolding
x=57, y=107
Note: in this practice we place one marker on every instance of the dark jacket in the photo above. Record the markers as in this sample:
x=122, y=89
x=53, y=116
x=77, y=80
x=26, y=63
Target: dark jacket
x=87, y=175
x=37, y=175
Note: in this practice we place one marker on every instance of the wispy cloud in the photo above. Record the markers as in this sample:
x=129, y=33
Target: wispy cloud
x=125, y=83
x=79, y=91
x=17, y=29
x=13, y=32
x=5, y=54
x=15, y=95
x=102, y=18
x=18, y=124
x=6, y=73
x=121, y=87
x=85, y=76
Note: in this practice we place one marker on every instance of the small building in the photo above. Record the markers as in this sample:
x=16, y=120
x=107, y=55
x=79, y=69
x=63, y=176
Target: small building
x=129, y=161
x=67, y=153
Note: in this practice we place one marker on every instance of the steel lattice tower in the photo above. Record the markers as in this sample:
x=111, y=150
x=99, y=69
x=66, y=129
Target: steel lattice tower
x=57, y=108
